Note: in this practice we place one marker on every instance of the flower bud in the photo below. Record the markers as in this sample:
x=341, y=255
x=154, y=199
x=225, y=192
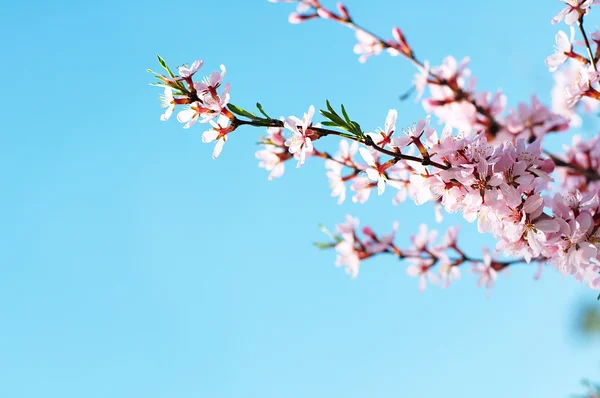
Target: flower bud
x=326, y=14
x=343, y=11
x=296, y=18
x=368, y=231
x=399, y=37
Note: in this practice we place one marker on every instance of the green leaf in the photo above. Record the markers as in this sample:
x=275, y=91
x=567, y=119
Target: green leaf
x=322, y=245
x=357, y=129
x=261, y=110
x=241, y=112
x=161, y=61
x=346, y=115
x=164, y=65
x=334, y=118
x=329, y=106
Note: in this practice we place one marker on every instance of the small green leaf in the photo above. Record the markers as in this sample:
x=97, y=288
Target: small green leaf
x=333, y=117
x=329, y=107
x=346, y=115
x=324, y=229
x=322, y=245
x=261, y=110
x=241, y=112
x=161, y=61
x=164, y=65
x=356, y=129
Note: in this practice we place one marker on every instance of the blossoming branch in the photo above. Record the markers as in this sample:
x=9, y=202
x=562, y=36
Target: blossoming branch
x=487, y=163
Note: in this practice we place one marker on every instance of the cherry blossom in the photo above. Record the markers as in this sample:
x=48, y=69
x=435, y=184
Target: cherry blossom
x=218, y=133
x=300, y=142
x=190, y=115
x=564, y=49
x=270, y=161
x=367, y=45
x=383, y=136
x=584, y=85
x=188, y=72
x=487, y=274
x=273, y=156
x=167, y=101
x=423, y=270
x=374, y=172
x=573, y=11
x=487, y=162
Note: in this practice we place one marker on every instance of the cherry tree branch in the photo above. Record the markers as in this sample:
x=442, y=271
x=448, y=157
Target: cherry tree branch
x=493, y=125
x=365, y=140
x=589, y=174
x=587, y=43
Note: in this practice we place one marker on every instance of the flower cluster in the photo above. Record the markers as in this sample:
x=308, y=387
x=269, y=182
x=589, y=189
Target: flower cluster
x=204, y=103
x=584, y=173
x=487, y=162
x=432, y=260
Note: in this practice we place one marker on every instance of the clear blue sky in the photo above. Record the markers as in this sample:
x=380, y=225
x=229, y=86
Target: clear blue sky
x=133, y=265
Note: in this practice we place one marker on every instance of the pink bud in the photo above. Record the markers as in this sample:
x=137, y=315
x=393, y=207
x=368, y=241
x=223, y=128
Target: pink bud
x=399, y=37
x=343, y=11
x=326, y=14
x=296, y=18
x=368, y=231
x=397, y=33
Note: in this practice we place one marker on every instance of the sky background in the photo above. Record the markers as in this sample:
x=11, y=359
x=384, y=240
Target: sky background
x=133, y=265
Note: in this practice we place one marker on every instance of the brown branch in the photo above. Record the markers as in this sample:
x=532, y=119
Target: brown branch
x=322, y=132
x=587, y=43
x=589, y=174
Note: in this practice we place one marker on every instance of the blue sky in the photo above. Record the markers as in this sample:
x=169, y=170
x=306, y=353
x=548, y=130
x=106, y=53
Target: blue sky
x=133, y=265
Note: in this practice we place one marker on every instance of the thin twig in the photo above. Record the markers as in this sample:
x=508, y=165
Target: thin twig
x=587, y=43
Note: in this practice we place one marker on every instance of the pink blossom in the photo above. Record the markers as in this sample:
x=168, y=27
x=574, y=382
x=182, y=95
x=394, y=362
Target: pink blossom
x=270, y=161
x=190, y=115
x=411, y=134
x=421, y=268
x=300, y=141
x=374, y=172
x=423, y=239
x=449, y=273
x=211, y=83
x=383, y=136
x=560, y=106
x=167, y=101
x=362, y=186
x=367, y=45
x=583, y=85
x=487, y=274
x=274, y=153
x=349, y=226
x=336, y=181
x=188, y=72
x=218, y=133
x=573, y=11
x=380, y=244
x=533, y=122
x=564, y=48
x=347, y=257
x=215, y=103
x=421, y=79
x=346, y=152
